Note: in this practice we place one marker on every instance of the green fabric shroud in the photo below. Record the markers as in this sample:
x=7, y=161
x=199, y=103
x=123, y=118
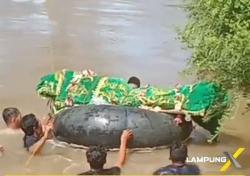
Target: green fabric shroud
x=207, y=103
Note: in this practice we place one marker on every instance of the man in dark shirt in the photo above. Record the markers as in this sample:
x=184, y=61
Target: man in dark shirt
x=178, y=155
x=35, y=136
x=96, y=157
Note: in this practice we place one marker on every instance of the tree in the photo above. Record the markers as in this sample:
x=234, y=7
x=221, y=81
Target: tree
x=218, y=33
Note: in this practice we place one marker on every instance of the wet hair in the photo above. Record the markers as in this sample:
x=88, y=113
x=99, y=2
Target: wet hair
x=10, y=113
x=178, y=152
x=96, y=156
x=29, y=123
x=134, y=80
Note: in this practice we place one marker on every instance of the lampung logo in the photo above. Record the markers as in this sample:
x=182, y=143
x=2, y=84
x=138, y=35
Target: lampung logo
x=232, y=159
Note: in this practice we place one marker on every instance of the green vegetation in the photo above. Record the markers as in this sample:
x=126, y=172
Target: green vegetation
x=218, y=33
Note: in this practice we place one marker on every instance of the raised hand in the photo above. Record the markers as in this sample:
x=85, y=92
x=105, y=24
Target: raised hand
x=126, y=136
x=48, y=130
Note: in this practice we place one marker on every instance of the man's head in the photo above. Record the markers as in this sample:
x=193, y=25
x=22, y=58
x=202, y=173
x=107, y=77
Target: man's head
x=178, y=152
x=96, y=157
x=134, y=82
x=12, y=117
x=30, y=125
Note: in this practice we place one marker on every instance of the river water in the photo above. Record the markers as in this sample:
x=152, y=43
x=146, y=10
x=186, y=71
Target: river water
x=112, y=37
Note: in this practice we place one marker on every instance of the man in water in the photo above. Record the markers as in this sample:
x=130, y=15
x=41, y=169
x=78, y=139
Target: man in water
x=134, y=82
x=12, y=117
x=34, y=134
x=178, y=155
x=96, y=157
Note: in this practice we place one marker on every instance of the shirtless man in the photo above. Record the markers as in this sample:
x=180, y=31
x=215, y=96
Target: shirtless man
x=12, y=117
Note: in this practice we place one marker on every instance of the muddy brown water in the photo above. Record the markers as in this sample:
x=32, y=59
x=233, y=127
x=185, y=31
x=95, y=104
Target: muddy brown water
x=112, y=37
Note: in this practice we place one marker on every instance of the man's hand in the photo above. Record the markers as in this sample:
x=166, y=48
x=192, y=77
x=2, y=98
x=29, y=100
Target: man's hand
x=1, y=149
x=179, y=119
x=47, y=119
x=48, y=130
x=126, y=136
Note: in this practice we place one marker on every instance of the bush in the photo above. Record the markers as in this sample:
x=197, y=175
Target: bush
x=218, y=33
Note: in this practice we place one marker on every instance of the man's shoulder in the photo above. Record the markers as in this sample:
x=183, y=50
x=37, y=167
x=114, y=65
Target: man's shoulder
x=11, y=131
x=108, y=171
x=187, y=169
x=164, y=170
x=113, y=170
x=193, y=168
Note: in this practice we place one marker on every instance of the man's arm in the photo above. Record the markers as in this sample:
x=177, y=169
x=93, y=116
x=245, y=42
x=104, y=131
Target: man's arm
x=36, y=147
x=125, y=137
x=47, y=120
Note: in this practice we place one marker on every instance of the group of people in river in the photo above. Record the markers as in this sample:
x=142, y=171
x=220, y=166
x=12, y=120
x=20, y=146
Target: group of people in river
x=68, y=88
x=36, y=132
